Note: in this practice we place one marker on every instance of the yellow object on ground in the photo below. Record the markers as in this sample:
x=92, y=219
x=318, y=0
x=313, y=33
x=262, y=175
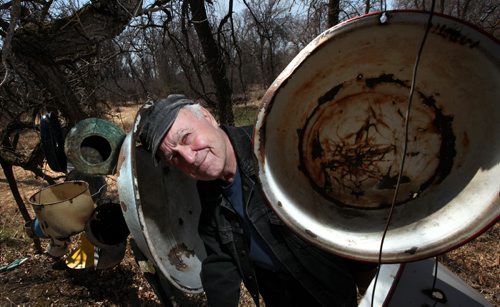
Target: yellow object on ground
x=83, y=256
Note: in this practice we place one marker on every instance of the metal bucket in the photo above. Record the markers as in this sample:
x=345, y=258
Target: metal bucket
x=63, y=209
x=330, y=136
x=161, y=209
x=93, y=145
x=106, y=228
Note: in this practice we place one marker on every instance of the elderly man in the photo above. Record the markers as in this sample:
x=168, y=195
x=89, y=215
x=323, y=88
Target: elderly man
x=244, y=239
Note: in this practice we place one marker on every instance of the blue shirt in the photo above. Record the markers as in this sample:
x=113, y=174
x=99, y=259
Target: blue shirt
x=260, y=253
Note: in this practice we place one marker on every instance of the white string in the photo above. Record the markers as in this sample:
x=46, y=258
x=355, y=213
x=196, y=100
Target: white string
x=405, y=147
x=99, y=191
x=434, y=280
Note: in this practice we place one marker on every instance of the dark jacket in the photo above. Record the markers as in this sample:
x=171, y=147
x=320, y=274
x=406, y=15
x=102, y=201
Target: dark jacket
x=327, y=277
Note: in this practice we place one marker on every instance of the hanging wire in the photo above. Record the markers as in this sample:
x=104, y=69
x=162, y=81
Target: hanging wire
x=99, y=191
x=405, y=146
x=434, y=281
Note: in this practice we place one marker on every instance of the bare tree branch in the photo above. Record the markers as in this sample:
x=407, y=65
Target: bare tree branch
x=7, y=49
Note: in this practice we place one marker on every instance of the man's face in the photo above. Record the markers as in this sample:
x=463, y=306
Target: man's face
x=197, y=146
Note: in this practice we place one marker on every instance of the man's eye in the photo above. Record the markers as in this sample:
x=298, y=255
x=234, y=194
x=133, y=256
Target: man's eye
x=169, y=156
x=185, y=138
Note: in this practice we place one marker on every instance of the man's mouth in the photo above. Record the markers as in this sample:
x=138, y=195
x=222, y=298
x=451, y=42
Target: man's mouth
x=200, y=162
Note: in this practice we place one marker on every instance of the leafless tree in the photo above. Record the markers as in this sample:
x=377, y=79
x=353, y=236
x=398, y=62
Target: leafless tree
x=45, y=56
x=268, y=23
x=484, y=14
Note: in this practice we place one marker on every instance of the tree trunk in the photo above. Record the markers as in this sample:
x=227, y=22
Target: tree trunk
x=333, y=12
x=465, y=10
x=441, y=6
x=367, y=6
x=216, y=65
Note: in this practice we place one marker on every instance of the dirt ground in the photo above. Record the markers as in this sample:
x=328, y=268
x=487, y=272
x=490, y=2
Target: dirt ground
x=44, y=281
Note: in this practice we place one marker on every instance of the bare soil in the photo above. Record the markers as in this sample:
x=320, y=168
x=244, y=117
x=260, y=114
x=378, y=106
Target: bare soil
x=44, y=281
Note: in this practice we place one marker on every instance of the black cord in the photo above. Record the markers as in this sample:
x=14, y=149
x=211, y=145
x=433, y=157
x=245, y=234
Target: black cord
x=405, y=146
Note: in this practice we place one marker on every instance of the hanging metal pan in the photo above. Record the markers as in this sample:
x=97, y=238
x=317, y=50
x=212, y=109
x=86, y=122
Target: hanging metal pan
x=161, y=208
x=330, y=136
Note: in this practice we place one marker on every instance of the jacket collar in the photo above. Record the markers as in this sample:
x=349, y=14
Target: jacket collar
x=241, y=139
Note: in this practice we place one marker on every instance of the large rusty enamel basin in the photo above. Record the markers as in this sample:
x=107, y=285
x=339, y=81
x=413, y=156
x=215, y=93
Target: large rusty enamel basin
x=161, y=208
x=331, y=132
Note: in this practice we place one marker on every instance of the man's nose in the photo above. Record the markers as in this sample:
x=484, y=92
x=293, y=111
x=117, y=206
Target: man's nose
x=187, y=154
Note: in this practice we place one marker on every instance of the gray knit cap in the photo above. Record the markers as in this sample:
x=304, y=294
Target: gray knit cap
x=158, y=119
